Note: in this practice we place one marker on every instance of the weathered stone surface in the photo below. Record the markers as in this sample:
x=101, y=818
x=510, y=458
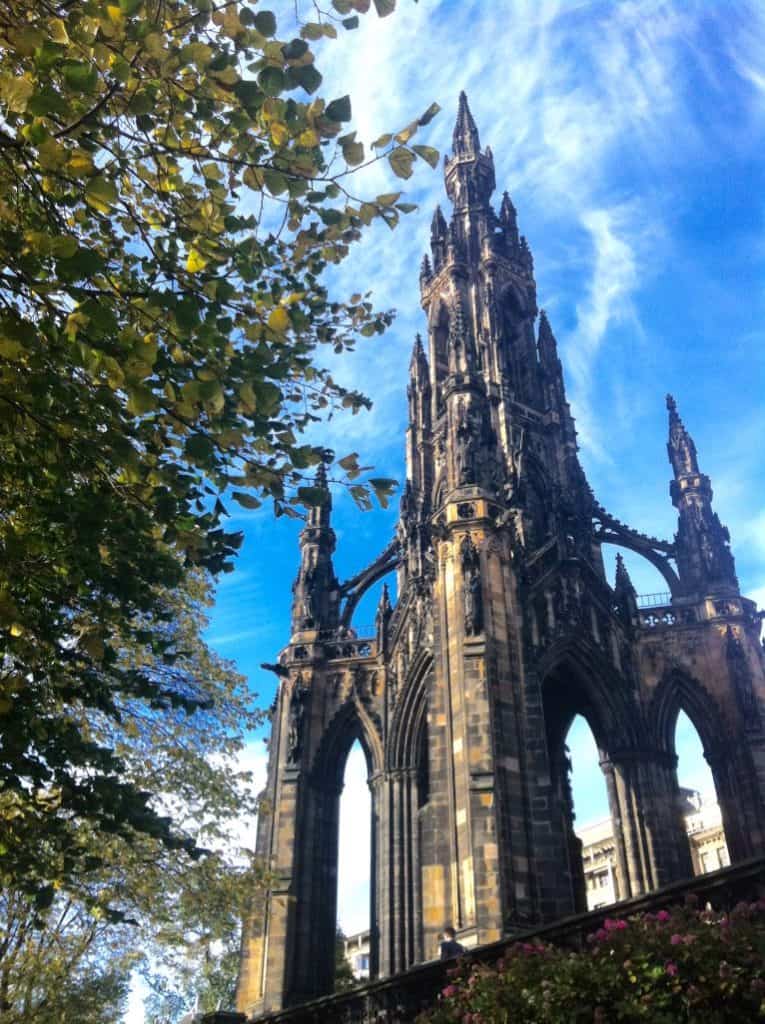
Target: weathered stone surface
x=504, y=629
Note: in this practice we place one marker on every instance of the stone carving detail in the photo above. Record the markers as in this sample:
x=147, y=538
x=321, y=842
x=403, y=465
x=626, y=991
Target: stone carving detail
x=741, y=677
x=470, y=563
x=297, y=709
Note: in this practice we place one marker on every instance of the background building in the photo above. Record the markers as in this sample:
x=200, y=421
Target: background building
x=706, y=837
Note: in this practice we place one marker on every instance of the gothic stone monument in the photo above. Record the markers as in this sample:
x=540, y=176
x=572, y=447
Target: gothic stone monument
x=504, y=629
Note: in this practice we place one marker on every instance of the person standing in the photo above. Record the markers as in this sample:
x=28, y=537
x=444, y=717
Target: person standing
x=450, y=947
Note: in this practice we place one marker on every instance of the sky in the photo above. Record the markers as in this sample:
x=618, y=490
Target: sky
x=630, y=137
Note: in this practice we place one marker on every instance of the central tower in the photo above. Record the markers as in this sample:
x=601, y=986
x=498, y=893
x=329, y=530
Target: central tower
x=503, y=630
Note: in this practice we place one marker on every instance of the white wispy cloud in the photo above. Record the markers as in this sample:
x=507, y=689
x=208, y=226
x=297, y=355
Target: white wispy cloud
x=561, y=91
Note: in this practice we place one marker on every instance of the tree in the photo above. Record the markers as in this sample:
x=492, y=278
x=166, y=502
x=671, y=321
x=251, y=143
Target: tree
x=172, y=188
x=138, y=905
x=63, y=967
x=344, y=976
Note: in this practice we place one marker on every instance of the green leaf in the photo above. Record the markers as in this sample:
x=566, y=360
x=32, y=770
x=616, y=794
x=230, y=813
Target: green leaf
x=80, y=76
x=349, y=461
x=339, y=109
x=312, y=497
x=199, y=448
x=295, y=49
x=272, y=81
x=401, y=161
x=265, y=23
x=428, y=154
x=141, y=400
x=351, y=23
x=385, y=7
x=101, y=193
x=305, y=76
x=84, y=263
x=353, y=152
x=429, y=114
x=246, y=500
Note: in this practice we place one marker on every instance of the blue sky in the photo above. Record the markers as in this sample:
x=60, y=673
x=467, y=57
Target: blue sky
x=630, y=136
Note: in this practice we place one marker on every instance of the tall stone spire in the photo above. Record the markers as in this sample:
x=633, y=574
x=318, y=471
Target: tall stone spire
x=680, y=447
x=465, y=140
x=704, y=559
x=315, y=597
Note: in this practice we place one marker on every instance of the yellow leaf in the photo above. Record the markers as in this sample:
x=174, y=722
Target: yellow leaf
x=308, y=138
x=195, y=262
x=114, y=13
x=81, y=163
x=58, y=31
x=15, y=92
x=279, y=320
x=279, y=133
x=51, y=154
x=16, y=629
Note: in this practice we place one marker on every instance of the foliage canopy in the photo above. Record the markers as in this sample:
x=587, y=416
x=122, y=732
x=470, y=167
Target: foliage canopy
x=172, y=188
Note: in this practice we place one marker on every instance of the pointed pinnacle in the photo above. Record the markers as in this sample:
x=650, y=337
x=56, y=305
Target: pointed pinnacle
x=321, y=476
x=507, y=210
x=671, y=404
x=465, y=141
x=623, y=579
x=438, y=224
x=548, y=346
x=418, y=353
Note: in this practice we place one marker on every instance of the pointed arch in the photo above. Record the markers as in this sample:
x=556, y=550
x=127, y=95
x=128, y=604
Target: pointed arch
x=578, y=679
x=679, y=691
x=410, y=715
x=351, y=723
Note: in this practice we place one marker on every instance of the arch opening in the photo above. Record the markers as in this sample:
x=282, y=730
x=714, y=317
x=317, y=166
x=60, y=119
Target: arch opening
x=697, y=797
x=353, y=954
x=591, y=816
x=580, y=726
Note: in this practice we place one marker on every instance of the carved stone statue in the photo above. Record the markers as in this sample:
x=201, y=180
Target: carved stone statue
x=472, y=591
x=295, y=725
x=309, y=597
x=466, y=447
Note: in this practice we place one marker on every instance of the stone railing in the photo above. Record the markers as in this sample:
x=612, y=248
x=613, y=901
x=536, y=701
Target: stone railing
x=654, y=600
x=399, y=999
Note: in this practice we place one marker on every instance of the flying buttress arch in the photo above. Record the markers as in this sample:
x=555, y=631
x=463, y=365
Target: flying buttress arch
x=354, y=589
x=609, y=530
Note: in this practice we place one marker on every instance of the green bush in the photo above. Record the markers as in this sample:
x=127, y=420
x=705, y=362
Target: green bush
x=683, y=964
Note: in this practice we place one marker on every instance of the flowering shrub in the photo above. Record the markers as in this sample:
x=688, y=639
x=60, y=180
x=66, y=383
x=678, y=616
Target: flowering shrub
x=677, y=965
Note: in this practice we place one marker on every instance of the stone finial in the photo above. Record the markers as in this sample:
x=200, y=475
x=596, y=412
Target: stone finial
x=465, y=140
x=438, y=224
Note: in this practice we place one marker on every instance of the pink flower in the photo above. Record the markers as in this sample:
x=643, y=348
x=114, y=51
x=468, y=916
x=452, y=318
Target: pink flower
x=449, y=991
x=676, y=940
x=671, y=969
x=601, y=934
x=663, y=915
